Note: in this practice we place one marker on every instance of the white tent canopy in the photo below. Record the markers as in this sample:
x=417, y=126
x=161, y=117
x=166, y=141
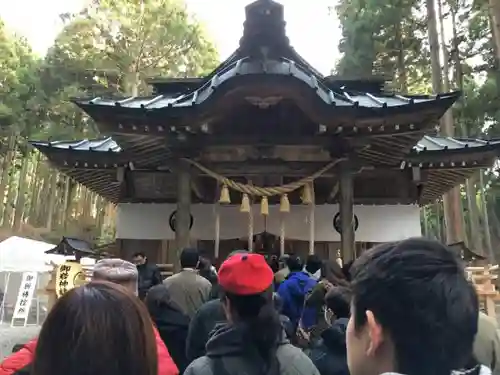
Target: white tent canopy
x=19, y=254
x=19, y=257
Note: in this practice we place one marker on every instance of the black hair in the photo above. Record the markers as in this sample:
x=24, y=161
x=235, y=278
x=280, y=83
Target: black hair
x=294, y=263
x=17, y=347
x=205, y=270
x=418, y=293
x=313, y=263
x=338, y=299
x=261, y=323
x=84, y=325
x=189, y=258
x=332, y=272
x=139, y=254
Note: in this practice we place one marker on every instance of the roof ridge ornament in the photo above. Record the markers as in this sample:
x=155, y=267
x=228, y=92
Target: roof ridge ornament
x=264, y=26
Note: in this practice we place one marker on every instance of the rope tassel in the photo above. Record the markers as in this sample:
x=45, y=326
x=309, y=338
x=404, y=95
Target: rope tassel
x=284, y=203
x=245, y=204
x=264, y=206
x=306, y=194
x=224, y=195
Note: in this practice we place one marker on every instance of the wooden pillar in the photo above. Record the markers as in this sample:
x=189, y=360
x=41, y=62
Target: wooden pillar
x=183, y=214
x=346, y=202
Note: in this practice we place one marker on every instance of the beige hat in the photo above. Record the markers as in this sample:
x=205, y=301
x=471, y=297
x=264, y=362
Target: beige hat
x=117, y=271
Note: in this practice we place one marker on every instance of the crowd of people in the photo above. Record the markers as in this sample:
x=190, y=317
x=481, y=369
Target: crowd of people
x=403, y=307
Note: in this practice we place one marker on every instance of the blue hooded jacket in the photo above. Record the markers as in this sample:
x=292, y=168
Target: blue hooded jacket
x=293, y=292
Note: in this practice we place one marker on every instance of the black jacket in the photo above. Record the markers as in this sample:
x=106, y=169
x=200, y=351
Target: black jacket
x=203, y=323
x=26, y=370
x=149, y=276
x=330, y=353
x=173, y=327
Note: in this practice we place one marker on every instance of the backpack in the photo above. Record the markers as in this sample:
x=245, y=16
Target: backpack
x=302, y=334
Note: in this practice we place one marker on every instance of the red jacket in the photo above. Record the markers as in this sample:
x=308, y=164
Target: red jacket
x=16, y=361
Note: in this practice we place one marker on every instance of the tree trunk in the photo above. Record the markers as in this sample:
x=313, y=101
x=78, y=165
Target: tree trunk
x=451, y=200
x=486, y=219
x=6, y=168
x=68, y=198
x=475, y=237
x=52, y=200
x=21, y=194
x=496, y=49
x=494, y=7
x=11, y=196
x=401, y=69
x=35, y=189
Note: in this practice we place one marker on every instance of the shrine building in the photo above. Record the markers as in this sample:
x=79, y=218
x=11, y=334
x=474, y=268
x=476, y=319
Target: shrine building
x=266, y=153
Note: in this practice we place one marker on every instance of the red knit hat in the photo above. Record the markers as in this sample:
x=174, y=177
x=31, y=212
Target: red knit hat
x=245, y=274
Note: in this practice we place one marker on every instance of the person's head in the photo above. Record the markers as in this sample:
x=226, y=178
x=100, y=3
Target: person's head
x=117, y=271
x=190, y=258
x=158, y=300
x=413, y=311
x=313, y=264
x=139, y=258
x=246, y=283
x=282, y=261
x=338, y=303
x=204, y=263
x=294, y=263
x=332, y=272
x=98, y=328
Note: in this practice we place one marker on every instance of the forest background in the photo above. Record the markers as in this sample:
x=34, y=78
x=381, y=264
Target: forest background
x=422, y=46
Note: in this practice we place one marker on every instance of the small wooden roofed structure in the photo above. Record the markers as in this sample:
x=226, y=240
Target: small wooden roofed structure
x=73, y=246
x=266, y=116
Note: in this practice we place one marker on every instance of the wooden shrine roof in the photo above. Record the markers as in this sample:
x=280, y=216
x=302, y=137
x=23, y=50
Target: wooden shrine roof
x=423, y=147
x=248, y=81
x=266, y=71
x=444, y=162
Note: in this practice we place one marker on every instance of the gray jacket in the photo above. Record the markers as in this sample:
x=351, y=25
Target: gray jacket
x=188, y=290
x=228, y=344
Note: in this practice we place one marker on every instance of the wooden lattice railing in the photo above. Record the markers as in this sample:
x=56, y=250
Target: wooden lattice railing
x=483, y=279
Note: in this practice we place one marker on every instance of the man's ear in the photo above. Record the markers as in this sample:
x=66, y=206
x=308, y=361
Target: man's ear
x=375, y=333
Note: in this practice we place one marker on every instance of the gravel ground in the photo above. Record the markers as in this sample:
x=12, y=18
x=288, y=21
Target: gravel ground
x=11, y=336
